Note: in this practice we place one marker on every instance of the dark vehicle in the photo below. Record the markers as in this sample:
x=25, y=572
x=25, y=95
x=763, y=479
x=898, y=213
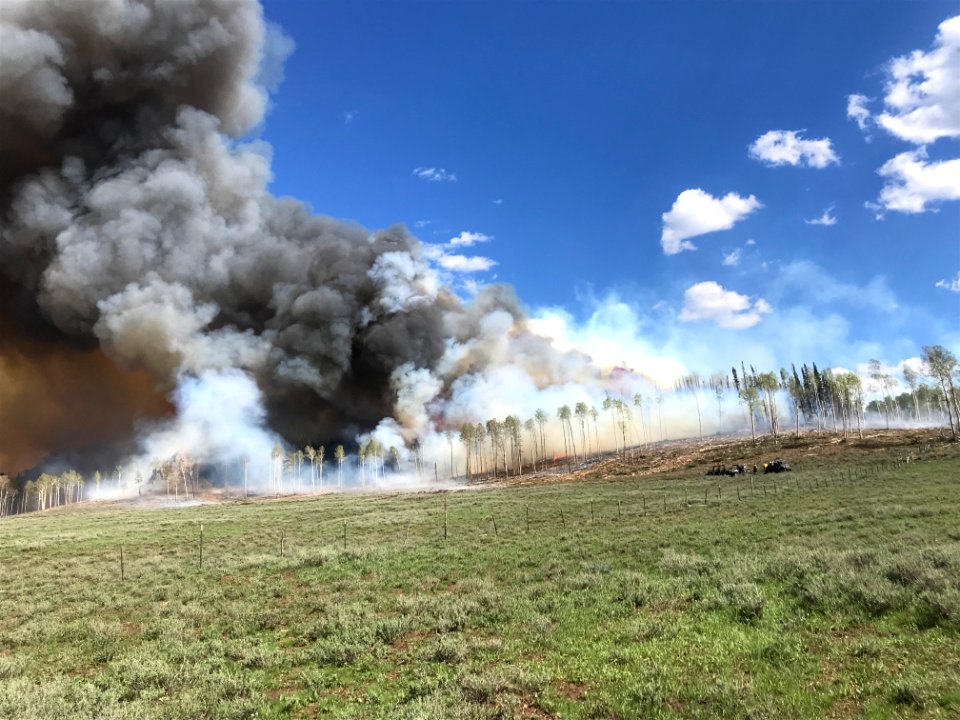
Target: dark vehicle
x=777, y=466
x=724, y=470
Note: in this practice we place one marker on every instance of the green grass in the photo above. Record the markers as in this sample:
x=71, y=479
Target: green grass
x=820, y=597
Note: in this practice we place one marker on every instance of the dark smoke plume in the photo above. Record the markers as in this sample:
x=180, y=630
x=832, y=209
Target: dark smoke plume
x=139, y=246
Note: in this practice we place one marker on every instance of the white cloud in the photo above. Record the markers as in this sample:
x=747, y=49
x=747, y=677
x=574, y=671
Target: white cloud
x=728, y=309
x=466, y=239
x=892, y=370
x=914, y=363
x=431, y=174
x=825, y=219
x=923, y=90
x=422, y=223
x=751, y=241
x=912, y=183
x=498, y=201
x=432, y=252
x=732, y=259
x=857, y=110
x=349, y=116
x=695, y=213
x=875, y=387
x=951, y=285
x=453, y=262
x=787, y=147
x=464, y=264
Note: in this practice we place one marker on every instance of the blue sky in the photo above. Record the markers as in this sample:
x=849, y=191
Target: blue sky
x=580, y=145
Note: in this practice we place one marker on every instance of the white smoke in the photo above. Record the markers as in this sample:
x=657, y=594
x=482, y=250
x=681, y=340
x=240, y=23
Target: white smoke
x=220, y=419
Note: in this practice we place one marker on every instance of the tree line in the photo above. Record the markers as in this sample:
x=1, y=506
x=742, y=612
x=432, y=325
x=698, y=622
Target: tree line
x=829, y=399
x=820, y=398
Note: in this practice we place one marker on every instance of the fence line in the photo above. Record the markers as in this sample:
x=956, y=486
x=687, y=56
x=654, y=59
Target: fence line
x=671, y=505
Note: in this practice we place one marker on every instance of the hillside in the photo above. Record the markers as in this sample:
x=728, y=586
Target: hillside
x=829, y=592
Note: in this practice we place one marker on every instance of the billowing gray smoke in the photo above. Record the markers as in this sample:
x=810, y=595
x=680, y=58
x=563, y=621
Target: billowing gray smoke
x=135, y=224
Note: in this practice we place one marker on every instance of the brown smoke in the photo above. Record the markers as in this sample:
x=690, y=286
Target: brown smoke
x=60, y=398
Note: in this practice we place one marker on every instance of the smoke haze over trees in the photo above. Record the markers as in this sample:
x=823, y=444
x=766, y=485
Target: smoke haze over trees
x=136, y=228
x=157, y=299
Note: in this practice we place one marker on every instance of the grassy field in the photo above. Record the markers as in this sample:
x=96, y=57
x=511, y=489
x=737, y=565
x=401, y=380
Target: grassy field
x=833, y=591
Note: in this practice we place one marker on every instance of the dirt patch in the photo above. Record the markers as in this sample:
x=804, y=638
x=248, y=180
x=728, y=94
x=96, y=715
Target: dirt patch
x=530, y=709
x=130, y=629
x=572, y=690
x=845, y=708
x=410, y=639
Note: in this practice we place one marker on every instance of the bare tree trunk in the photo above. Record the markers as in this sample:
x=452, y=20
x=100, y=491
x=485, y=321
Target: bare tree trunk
x=950, y=404
x=696, y=401
x=956, y=405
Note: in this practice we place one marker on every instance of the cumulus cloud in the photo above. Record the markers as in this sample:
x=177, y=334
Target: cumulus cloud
x=455, y=263
x=913, y=184
x=825, y=219
x=732, y=259
x=464, y=264
x=431, y=174
x=696, y=212
x=728, y=309
x=467, y=238
x=951, y=285
x=858, y=111
x=787, y=147
x=922, y=98
x=450, y=263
